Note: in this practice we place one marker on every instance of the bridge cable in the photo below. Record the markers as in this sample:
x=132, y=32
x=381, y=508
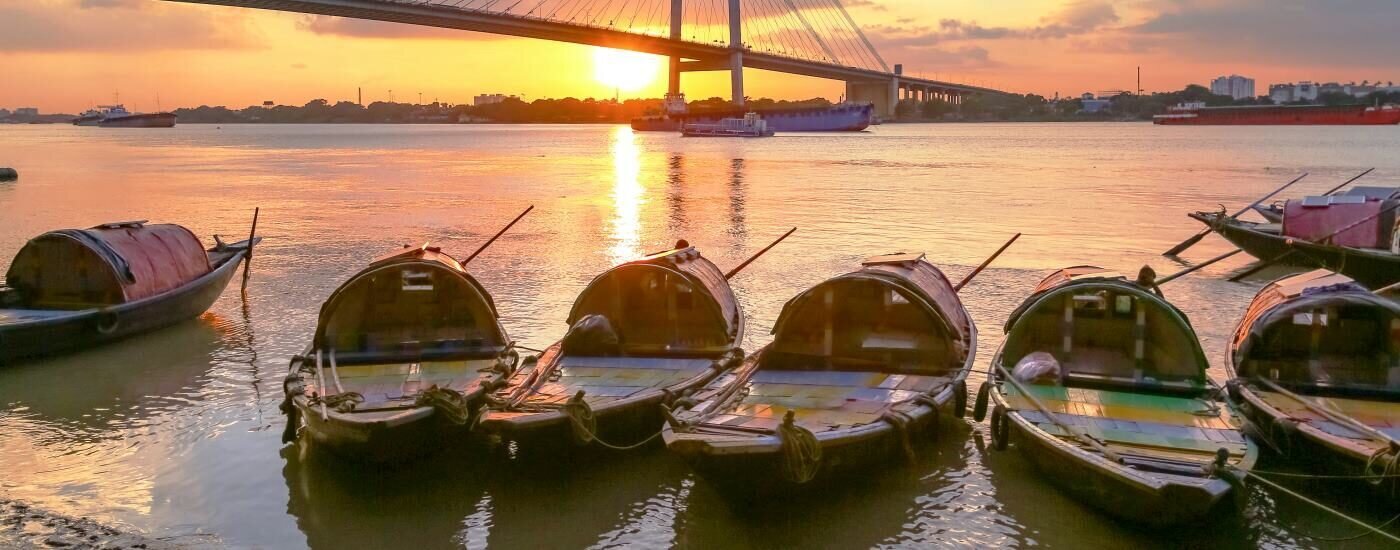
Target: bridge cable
x=798, y=12
x=864, y=39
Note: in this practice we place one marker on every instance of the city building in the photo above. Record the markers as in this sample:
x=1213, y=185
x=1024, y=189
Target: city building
x=26, y=111
x=490, y=99
x=1090, y=104
x=4, y=113
x=1235, y=86
x=1305, y=90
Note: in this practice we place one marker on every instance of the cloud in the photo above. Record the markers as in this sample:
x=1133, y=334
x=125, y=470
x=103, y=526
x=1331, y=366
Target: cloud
x=118, y=25
x=364, y=28
x=868, y=4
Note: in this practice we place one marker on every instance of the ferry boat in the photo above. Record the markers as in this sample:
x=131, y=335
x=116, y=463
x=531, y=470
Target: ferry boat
x=116, y=116
x=751, y=125
x=1196, y=113
x=842, y=117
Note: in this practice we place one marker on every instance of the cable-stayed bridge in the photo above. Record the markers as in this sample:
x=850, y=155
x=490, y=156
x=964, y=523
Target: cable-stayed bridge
x=816, y=38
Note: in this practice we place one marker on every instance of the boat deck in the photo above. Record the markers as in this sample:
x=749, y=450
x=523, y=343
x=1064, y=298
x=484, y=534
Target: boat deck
x=606, y=379
x=820, y=400
x=1142, y=421
x=1382, y=415
x=398, y=384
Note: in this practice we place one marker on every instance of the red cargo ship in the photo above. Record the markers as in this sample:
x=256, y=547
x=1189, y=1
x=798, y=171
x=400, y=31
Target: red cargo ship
x=1198, y=113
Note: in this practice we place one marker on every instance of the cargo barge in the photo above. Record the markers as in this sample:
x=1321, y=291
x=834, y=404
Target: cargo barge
x=1261, y=115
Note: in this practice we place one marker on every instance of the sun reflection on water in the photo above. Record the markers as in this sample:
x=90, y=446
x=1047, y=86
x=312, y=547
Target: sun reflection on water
x=628, y=196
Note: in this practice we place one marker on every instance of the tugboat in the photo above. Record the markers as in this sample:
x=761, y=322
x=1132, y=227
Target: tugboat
x=750, y=126
x=842, y=117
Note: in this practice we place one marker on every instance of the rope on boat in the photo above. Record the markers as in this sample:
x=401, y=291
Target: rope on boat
x=449, y=403
x=289, y=409
x=1389, y=467
x=802, y=453
x=585, y=425
x=901, y=422
x=341, y=402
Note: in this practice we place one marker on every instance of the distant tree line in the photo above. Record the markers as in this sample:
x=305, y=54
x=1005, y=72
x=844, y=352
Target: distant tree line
x=511, y=110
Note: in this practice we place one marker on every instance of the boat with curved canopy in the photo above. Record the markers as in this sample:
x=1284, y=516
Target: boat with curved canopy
x=403, y=355
x=1110, y=399
x=641, y=334
x=76, y=288
x=1315, y=364
x=858, y=365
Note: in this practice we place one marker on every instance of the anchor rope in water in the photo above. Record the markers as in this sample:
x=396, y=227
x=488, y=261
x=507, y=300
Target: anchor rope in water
x=585, y=425
x=1370, y=529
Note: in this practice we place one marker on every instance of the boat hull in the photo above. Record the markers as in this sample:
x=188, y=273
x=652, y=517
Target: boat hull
x=93, y=327
x=151, y=120
x=415, y=432
x=838, y=118
x=1319, y=115
x=1372, y=268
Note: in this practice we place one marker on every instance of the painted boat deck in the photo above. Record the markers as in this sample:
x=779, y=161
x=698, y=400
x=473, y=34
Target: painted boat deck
x=606, y=379
x=1382, y=415
x=1134, y=419
x=398, y=384
x=820, y=400
x=22, y=316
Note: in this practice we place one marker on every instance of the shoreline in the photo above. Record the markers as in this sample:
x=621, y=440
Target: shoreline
x=25, y=526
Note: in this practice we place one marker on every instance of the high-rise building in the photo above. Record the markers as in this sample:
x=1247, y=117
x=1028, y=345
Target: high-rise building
x=1235, y=86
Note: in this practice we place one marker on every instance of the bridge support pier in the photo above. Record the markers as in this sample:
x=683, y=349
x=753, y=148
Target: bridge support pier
x=673, y=84
x=884, y=95
x=736, y=54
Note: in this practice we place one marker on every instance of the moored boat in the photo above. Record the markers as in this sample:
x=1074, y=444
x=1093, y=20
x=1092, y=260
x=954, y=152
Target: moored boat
x=859, y=366
x=403, y=355
x=1315, y=364
x=751, y=125
x=842, y=117
x=641, y=335
x=1101, y=383
x=77, y=288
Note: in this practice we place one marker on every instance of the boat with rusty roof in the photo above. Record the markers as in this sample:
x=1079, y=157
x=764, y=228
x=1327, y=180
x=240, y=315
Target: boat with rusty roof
x=1315, y=364
x=641, y=335
x=859, y=366
x=76, y=288
x=1101, y=383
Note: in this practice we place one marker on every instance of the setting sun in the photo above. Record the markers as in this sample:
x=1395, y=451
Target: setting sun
x=624, y=70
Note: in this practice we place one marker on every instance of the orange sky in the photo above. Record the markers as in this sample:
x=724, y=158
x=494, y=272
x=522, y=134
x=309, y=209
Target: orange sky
x=65, y=55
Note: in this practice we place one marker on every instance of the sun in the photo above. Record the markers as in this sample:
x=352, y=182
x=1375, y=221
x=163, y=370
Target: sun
x=625, y=71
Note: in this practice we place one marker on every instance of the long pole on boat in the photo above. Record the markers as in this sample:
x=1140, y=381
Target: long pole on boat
x=498, y=235
x=1388, y=288
x=1339, y=187
x=985, y=263
x=1050, y=415
x=1188, y=243
x=1319, y=240
x=1175, y=276
x=252, y=238
x=1347, y=421
x=746, y=263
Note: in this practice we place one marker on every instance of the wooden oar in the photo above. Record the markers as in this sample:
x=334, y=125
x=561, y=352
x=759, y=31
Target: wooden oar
x=1188, y=243
x=1049, y=414
x=1388, y=288
x=740, y=267
x=1346, y=421
x=985, y=263
x=1320, y=240
x=1175, y=276
x=1339, y=187
x=498, y=235
x=252, y=239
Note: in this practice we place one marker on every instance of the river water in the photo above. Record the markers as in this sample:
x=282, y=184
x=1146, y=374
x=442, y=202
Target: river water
x=177, y=432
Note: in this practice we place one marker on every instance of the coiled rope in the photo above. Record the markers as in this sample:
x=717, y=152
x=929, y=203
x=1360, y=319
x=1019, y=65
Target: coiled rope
x=802, y=453
x=447, y=402
x=584, y=425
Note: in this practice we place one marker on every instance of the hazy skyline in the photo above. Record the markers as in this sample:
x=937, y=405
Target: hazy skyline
x=66, y=55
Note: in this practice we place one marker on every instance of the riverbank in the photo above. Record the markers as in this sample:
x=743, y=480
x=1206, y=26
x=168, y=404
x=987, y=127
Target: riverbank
x=24, y=526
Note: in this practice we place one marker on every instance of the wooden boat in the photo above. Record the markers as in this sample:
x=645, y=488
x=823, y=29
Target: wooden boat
x=403, y=355
x=1315, y=364
x=1373, y=267
x=642, y=334
x=1127, y=421
x=78, y=288
x=859, y=365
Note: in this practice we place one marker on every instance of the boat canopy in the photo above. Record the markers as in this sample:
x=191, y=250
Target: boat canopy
x=897, y=313
x=109, y=264
x=669, y=303
x=413, y=304
x=1101, y=327
x=1320, y=330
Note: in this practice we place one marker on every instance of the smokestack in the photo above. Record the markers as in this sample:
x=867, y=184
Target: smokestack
x=360, y=96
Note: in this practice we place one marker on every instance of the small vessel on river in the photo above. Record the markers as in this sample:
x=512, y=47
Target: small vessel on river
x=116, y=116
x=841, y=117
x=402, y=358
x=1270, y=115
x=1315, y=364
x=641, y=335
x=859, y=366
x=77, y=288
x=1109, y=398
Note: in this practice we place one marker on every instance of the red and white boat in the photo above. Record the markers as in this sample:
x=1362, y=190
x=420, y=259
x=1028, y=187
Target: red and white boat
x=1198, y=114
x=116, y=116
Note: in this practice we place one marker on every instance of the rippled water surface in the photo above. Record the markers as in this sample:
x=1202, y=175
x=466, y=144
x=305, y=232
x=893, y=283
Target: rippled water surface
x=177, y=432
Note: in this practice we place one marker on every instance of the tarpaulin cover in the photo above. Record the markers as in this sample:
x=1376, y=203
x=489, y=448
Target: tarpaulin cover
x=107, y=264
x=1312, y=223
